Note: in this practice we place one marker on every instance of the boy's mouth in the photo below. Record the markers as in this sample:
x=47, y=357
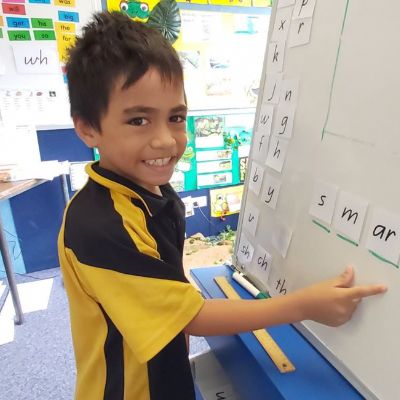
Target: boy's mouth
x=158, y=162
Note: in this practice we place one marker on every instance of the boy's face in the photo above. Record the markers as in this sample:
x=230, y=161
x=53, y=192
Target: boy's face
x=143, y=133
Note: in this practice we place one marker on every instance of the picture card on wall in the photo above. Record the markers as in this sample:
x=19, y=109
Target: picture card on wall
x=189, y=209
x=256, y=178
x=245, y=250
x=283, y=125
x=243, y=150
x=290, y=91
x=218, y=178
x=36, y=58
x=300, y=32
x=278, y=283
x=383, y=236
x=260, y=146
x=65, y=3
x=281, y=238
x=283, y=19
x=214, y=166
x=210, y=141
x=18, y=145
x=323, y=201
x=16, y=9
x=250, y=219
x=277, y=153
x=304, y=9
x=350, y=215
x=271, y=190
x=261, y=265
x=183, y=166
x=208, y=155
x=265, y=117
x=275, y=57
x=272, y=88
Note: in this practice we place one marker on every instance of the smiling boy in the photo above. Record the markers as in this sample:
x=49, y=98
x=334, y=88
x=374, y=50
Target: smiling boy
x=121, y=242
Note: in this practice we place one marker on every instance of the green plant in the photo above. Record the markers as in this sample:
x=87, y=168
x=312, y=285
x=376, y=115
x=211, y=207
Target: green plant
x=227, y=234
x=165, y=17
x=231, y=140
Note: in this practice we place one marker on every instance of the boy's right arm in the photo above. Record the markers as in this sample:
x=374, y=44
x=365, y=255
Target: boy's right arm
x=330, y=302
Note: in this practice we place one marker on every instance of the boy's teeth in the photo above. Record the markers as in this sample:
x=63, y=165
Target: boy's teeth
x=159, y=161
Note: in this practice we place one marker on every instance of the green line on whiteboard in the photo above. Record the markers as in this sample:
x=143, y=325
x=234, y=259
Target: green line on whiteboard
x=383, y=259
x=334, y=72
x=321, y=226
x=19, y=35
x=1, y=33
x=345, y=14
x=347, y=240
x=331, y=91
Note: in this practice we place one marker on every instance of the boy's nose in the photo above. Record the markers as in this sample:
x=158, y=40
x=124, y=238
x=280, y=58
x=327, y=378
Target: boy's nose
x=163, y=139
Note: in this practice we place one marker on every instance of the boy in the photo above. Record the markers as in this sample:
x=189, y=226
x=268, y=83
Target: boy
x=121, y=242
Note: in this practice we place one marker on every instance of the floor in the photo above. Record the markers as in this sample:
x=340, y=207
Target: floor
x=36, y=358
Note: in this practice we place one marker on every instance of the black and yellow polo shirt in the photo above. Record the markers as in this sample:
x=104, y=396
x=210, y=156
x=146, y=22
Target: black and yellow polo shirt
x=120, y=250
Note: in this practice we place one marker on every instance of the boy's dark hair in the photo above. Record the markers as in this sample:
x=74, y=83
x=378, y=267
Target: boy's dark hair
x=111, y=46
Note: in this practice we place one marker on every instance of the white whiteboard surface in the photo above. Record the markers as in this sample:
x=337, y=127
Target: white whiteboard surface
x=346, y=134
x=11, y=80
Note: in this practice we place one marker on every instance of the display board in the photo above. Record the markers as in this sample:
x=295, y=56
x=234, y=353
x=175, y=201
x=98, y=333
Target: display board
x=34, y=38
x=217, y=150
x=221, y=54
x=322, y=190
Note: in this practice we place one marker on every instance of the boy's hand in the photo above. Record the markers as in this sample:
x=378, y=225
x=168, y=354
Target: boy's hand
x=333, y=302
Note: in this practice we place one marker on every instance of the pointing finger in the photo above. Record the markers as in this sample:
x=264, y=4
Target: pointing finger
x=365, y=291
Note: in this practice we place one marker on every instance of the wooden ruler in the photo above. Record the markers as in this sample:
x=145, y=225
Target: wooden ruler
x=267, y=342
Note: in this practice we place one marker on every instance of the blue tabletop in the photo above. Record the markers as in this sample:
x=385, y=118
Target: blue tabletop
x=252, y=372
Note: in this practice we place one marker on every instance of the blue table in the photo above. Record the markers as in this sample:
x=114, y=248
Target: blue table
x=8, y=190
x=253, y=374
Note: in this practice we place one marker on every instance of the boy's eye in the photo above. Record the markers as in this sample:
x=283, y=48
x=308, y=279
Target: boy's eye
x=178, y=118
x=138, y=121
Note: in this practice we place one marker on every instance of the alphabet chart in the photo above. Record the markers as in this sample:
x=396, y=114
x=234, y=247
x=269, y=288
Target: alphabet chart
x=322, y=188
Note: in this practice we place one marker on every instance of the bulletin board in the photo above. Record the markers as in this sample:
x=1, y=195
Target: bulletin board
x=322, y=186
x=222, y=53
x=220, y=49
x=34, y=38
x=217, y=150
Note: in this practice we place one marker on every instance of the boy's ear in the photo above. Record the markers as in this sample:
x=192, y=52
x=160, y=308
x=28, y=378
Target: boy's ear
x=87, y=133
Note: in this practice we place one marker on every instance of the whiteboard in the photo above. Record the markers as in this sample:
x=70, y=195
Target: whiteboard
x=36, y=97
x=340, y=139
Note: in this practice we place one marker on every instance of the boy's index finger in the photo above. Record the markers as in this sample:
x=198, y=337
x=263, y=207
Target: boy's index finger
x=368, y=290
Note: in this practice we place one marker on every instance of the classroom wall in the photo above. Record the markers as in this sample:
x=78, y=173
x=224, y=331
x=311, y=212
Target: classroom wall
x=202, y=222
x=37, y=213
x=35, y=216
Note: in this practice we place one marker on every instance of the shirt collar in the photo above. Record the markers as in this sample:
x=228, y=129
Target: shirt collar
x=153, y=202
